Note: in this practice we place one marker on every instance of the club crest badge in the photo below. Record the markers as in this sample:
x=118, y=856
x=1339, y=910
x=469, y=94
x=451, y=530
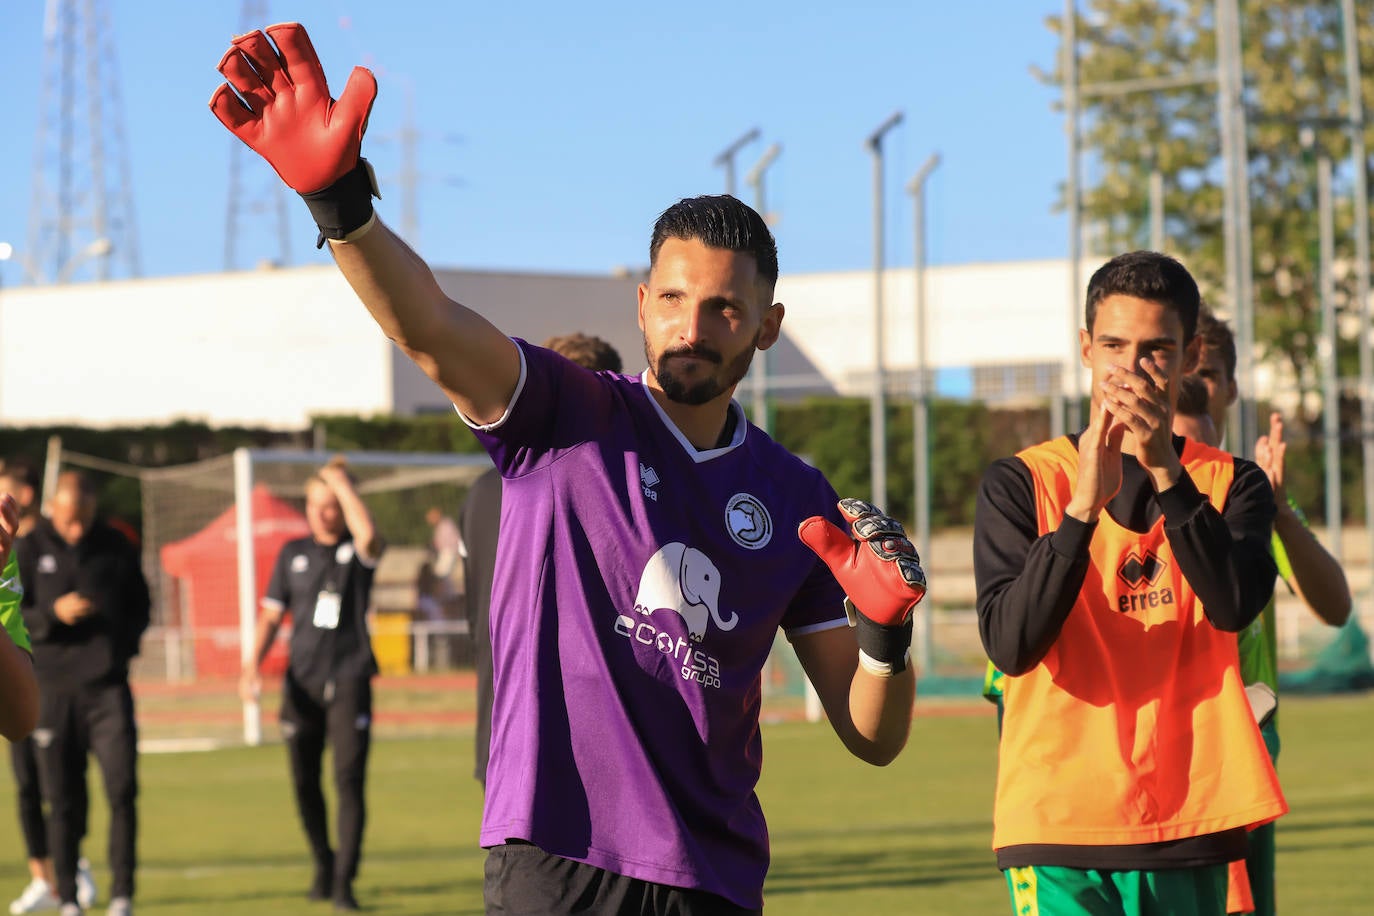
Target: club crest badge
x=748, y=522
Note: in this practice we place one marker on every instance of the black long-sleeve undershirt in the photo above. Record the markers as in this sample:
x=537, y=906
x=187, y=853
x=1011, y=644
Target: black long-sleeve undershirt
x=1028, y=583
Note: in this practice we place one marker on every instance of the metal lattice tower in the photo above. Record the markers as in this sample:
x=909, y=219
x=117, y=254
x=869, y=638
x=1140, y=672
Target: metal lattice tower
x=81, y=214
x=256, y=196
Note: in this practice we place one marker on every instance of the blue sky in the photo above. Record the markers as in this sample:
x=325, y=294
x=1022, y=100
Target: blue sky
x=551, y=134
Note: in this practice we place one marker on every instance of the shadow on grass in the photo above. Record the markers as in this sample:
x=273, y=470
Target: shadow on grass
x=1310, y=826
x=428, y=854
x=828, y=872
x=1340, y=845
x=890, y=856
x=851, y=832
x=428, y=893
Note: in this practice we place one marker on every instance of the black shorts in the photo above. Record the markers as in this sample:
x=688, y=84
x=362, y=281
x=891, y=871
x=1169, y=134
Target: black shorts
x=524, y=880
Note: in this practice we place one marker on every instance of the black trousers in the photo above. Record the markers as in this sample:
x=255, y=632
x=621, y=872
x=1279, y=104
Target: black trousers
x=346, y=721
x=95, y=720
x=524, y=880
x=28, y=798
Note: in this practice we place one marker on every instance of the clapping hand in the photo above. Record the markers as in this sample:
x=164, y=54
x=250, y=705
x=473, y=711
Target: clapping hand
x=1269, y=454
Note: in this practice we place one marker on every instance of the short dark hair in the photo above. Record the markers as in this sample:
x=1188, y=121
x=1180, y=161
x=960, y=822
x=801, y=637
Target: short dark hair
x=718, y=221
x=1215, y=334
x=587, y=351
x=1192, y=397
x=1151, y=276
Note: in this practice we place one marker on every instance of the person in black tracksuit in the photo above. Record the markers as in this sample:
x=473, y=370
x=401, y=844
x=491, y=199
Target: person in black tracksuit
x=325, y=582
x=86, y=605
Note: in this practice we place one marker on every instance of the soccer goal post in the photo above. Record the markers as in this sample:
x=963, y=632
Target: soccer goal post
x=212, y=530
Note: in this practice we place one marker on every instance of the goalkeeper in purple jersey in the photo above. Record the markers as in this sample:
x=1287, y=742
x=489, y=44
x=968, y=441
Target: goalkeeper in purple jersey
x=652, y=540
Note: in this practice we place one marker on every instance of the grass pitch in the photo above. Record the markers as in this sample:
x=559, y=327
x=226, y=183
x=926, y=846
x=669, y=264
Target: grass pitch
x=219, y=832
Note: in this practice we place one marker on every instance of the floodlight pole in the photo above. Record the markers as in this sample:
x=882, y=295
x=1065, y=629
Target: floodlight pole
x=1236, y=220
x=726, y=158
x=920, y=452
x=759, y=370
x=1359, y=165
x=1073, y=387
x=1326, y=350
x=878, y=412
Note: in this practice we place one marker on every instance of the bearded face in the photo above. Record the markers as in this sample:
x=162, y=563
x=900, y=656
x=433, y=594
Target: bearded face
x=698, y=374
x=704, y=312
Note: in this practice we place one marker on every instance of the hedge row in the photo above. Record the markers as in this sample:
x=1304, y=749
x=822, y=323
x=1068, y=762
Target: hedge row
x=833, y=433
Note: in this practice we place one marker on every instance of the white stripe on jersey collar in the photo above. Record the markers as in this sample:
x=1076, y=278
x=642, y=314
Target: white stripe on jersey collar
x=741, y=426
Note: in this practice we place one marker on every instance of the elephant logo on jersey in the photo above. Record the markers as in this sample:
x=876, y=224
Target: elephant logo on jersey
x=683, y=579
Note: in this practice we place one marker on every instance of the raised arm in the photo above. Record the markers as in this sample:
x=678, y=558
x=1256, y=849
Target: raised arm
x=475, y=364
x=357, y=516
x=277, y=102
x=1317, y=576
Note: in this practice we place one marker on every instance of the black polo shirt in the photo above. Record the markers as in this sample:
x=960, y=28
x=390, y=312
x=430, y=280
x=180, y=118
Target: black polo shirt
x=326, y=589
x=105, y=568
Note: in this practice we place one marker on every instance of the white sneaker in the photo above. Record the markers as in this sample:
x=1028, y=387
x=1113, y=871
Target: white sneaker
x=120, y=906
x=36, y=898
x=71, y=909
x=85, y=884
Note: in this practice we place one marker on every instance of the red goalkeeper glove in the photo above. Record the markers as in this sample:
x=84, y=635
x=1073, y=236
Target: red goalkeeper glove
x=277, y=102
x=881, y=574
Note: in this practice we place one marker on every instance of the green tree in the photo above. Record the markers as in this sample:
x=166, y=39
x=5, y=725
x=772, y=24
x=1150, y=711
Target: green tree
x=1294, y=77
x=833, y=434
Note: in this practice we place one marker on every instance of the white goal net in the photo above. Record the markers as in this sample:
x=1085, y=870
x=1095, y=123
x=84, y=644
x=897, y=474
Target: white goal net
x=212, y=531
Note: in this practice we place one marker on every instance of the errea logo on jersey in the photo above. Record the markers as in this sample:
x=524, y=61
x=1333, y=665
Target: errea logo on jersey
x=1140, y=572
x=648, y=479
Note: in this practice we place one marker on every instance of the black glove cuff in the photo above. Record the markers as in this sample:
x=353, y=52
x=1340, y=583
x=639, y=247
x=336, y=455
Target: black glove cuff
x=345, y=205
x=888, y=646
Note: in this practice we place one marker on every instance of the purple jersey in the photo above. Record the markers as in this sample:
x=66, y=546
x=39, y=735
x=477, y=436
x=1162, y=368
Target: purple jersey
x=639, y=585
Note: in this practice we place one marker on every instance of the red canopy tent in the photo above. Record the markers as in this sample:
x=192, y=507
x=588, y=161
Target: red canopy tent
x=204, y=569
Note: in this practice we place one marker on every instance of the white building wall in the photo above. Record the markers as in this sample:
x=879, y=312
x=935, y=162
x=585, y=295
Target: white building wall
x=264, y=347
x=977, y=315
x=273, y=347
